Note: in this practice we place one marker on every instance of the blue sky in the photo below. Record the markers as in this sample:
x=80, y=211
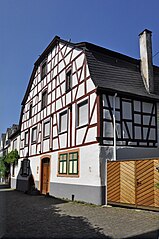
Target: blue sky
x=28, y=26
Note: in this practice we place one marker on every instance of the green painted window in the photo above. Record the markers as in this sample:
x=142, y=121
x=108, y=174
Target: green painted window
x=73, y=163
x=63, y=164
x=68, y=163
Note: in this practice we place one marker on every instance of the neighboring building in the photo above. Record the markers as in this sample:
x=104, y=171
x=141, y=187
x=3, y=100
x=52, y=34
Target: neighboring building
x=8, y=139
x=2, y=142
x=14, y=144
x=84, y=105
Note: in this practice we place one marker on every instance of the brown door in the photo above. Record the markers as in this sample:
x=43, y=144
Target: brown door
x=45, y=175
x=145, y=182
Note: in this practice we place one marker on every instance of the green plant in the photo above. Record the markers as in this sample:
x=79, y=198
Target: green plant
x=6, y=161
x=3, y=168
x=12, y=157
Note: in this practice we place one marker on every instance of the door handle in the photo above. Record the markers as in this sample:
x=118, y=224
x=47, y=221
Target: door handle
x=138, y=183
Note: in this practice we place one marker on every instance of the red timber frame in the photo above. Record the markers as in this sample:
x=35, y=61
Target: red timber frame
x=54, y=83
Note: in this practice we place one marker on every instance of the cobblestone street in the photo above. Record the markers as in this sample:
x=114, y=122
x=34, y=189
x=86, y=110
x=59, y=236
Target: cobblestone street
x=25, y=216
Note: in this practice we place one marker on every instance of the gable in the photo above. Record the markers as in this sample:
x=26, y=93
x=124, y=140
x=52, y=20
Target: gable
x=50, y=76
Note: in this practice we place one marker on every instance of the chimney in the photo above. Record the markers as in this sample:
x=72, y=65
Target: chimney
x=146, y=60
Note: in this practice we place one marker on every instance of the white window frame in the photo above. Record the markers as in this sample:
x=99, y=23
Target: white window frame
x=66, y=127
x=32, y=136
x=44, y=133
x=14, y=141
x=26, y=139
x=80, y=104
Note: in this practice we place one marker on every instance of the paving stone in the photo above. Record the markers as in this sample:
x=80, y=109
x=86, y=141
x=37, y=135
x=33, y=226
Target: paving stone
x=27, y=216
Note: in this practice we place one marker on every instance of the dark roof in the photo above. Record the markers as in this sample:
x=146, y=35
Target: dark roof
x=109, y=70
x=14, y=131
x=119, y=73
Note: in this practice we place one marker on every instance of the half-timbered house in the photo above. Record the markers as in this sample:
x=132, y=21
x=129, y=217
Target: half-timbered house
x=84, y=105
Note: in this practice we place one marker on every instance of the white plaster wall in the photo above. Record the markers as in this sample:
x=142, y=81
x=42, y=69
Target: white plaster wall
x=35, y=167
x=63, y=140
x=80, y=90
x=46, y=145
x=16, y=172
x=80, y=135
x=88, y=167
x=90, y=85
x=91, y=134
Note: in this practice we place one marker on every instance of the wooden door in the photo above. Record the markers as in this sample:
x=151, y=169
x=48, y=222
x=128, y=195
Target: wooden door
x=145, y=183
x=45, y=176
x=133, y=182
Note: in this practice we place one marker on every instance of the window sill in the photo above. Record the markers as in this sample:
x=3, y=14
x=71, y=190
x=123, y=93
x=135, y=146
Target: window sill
x=46, y=137
x=68, y=175
x=34, y=142
x=82, y=126
x=63, y=132
x=42, y=77
x=44, y=107
x=67, y=91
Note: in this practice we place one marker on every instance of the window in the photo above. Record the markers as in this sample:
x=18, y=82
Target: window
x=34, y=135
x=25, y=167
x=43, y=70
x=15, y=144
x=26, y=139
x=13, y=169
x=30, y=110
x=46, y=131
x=68, y=163
x=63, y=122
x=127, y=110
x=82, y=113
x=73, y=163
x=63, y=163
x=44, y=99
x=68, y=80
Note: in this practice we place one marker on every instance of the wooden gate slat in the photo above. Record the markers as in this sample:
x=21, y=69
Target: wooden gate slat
x=133, y=182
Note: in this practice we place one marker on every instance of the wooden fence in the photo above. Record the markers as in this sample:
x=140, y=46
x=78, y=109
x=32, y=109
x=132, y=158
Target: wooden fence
x=133, y=182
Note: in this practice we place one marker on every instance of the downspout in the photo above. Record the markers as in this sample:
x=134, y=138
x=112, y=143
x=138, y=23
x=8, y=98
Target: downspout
x=106, y=182
x=114, y=128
